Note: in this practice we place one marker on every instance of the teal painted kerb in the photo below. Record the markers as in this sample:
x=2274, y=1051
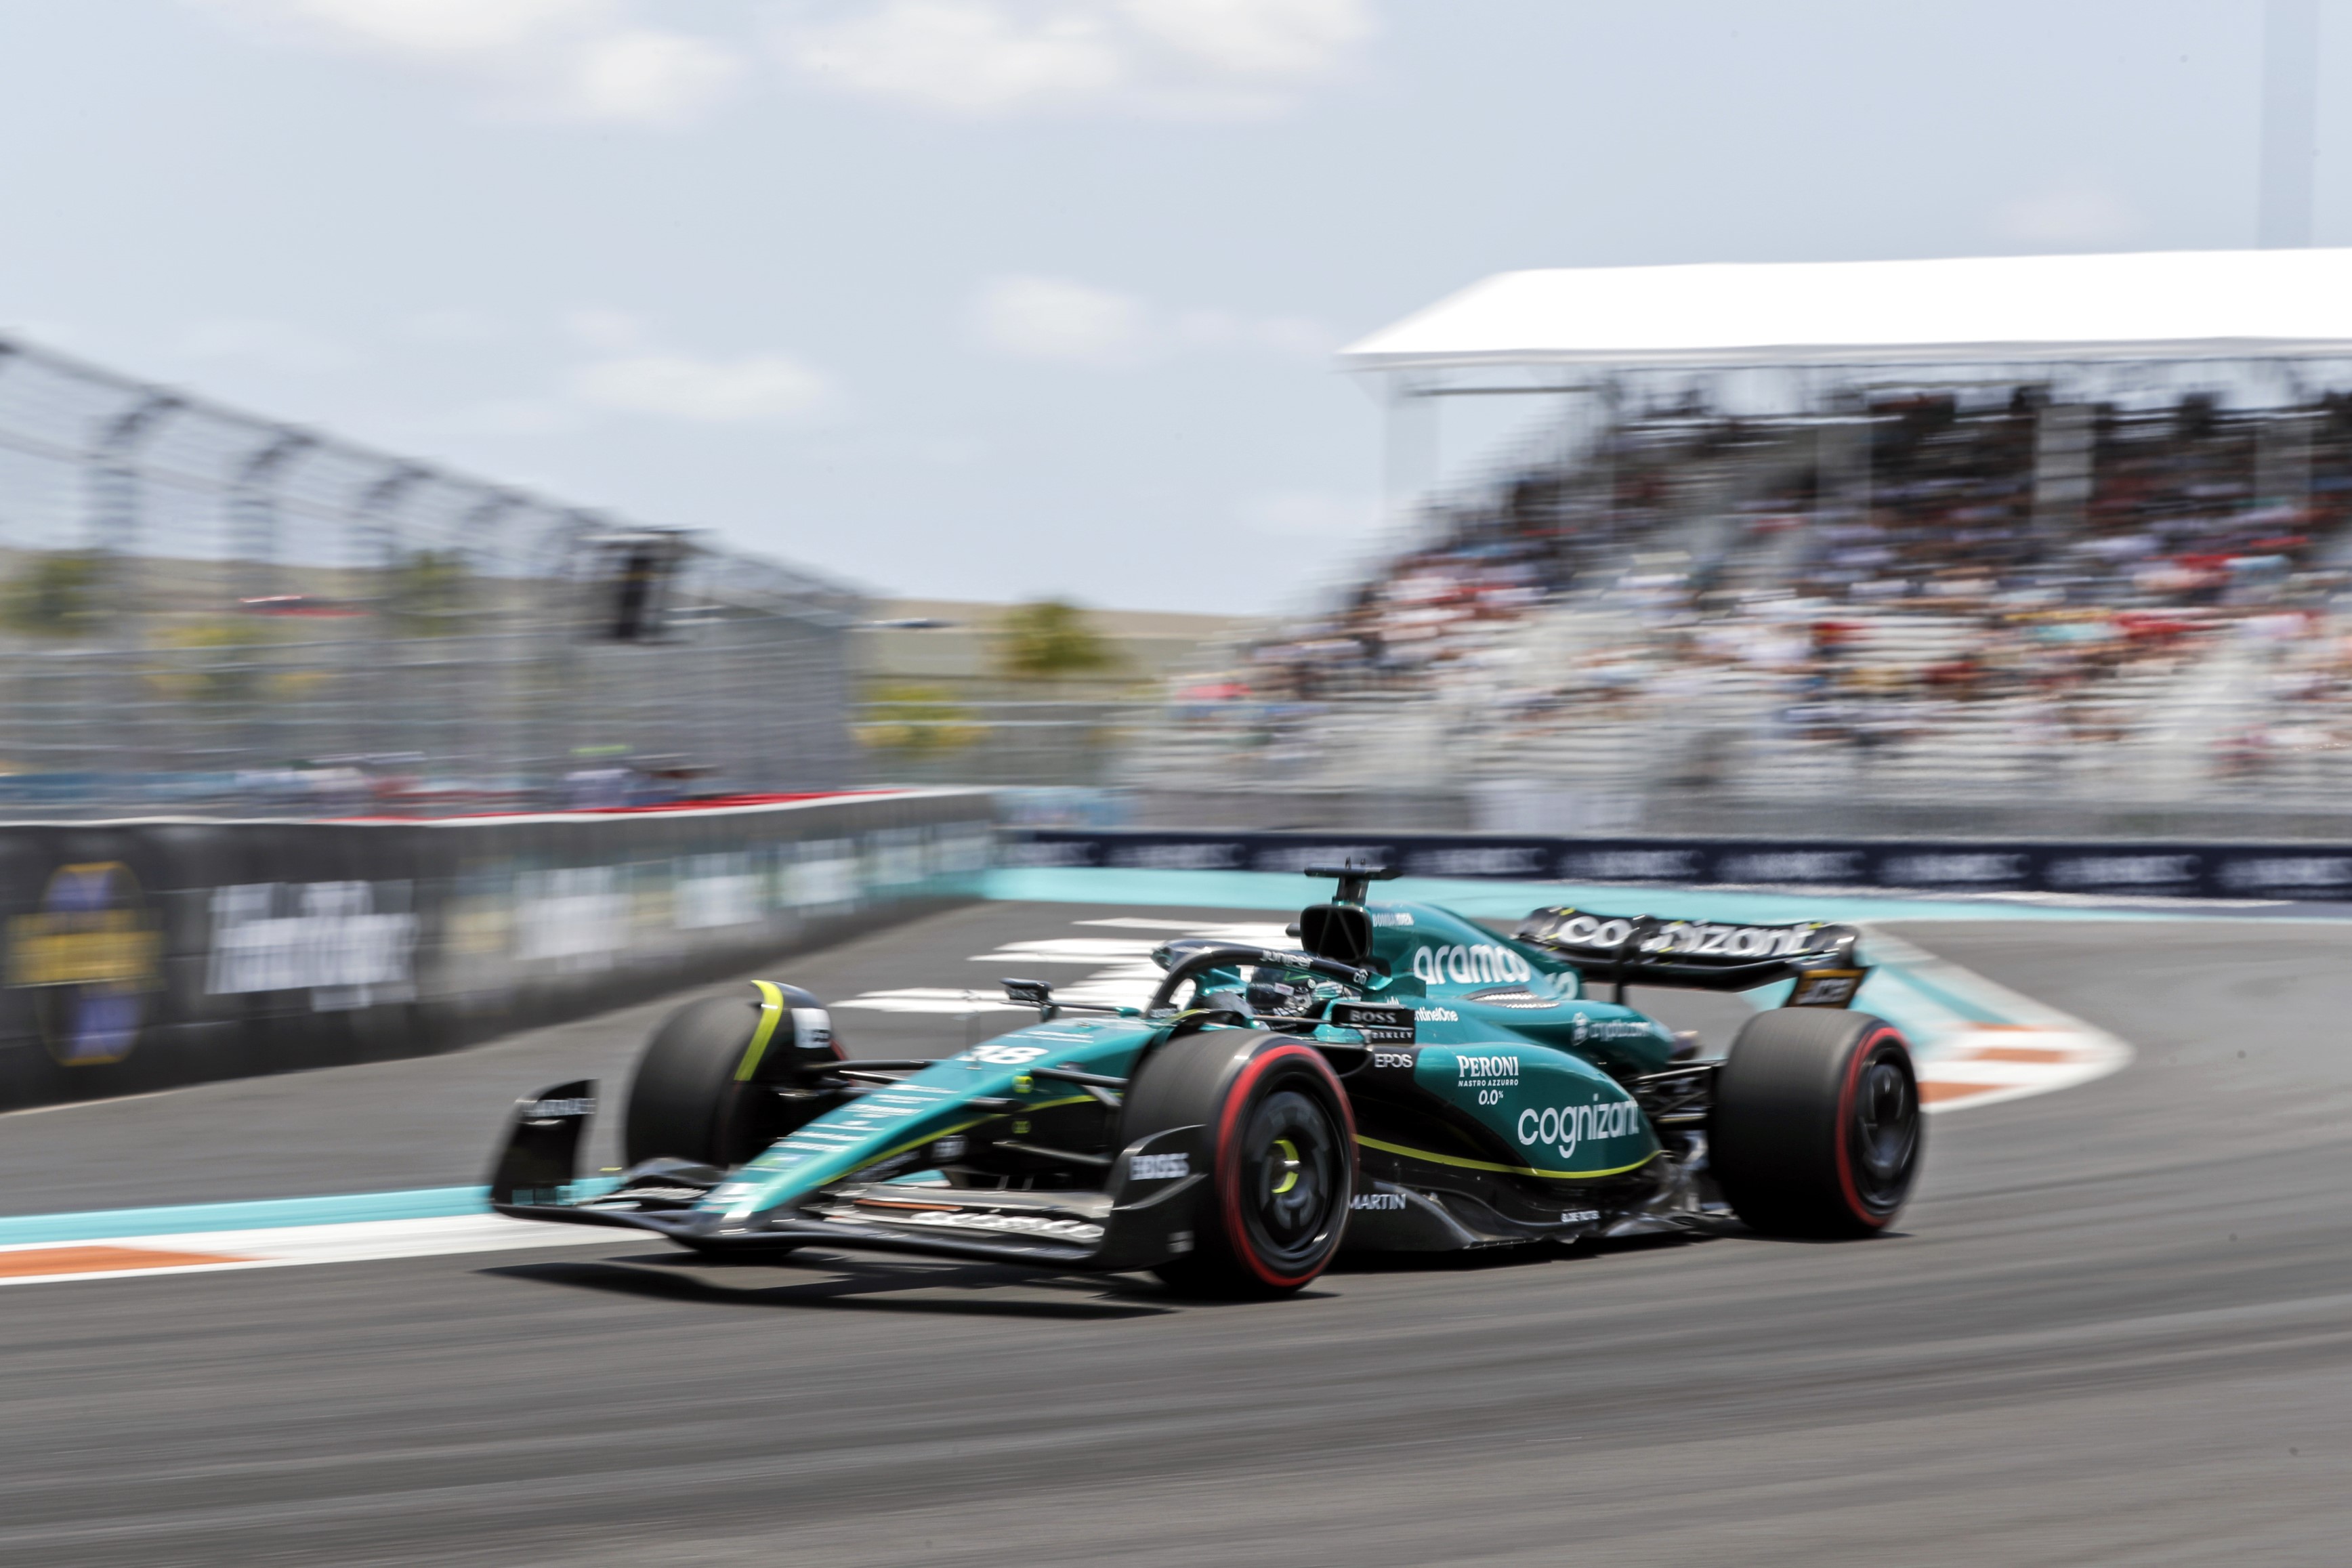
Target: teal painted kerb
x=271, y=1213
x=265, y=1214
x=1511, y=900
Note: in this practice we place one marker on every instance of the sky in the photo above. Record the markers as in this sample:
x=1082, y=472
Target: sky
x=1009, y=298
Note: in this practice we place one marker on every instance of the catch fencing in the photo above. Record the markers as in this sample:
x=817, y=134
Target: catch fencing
x=202, y=610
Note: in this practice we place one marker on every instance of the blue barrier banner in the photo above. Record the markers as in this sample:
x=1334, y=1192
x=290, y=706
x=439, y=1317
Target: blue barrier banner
x=2095, y=869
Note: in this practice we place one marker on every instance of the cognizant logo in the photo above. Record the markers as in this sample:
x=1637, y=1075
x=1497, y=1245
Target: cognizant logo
x=1560, y=1130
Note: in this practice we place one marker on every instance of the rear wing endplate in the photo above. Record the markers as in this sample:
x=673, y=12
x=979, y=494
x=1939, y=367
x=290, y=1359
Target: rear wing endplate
x=1824, y=960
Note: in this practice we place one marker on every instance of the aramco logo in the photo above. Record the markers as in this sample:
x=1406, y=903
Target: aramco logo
x=89, y=955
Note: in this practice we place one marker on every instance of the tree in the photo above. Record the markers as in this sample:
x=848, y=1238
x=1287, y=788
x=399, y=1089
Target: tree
x=428, y=593
x=918, y=721
x=1051, y=639
x=55, y=596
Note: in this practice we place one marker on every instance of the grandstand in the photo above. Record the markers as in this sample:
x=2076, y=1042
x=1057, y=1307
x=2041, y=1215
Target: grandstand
x=2014, y=545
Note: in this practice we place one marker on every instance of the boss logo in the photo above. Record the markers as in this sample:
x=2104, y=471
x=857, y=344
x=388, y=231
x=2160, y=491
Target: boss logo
x=1159, y=1167
x=540, y=1109
x=1378, y=1024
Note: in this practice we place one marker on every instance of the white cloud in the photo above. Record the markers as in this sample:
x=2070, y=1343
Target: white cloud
x=613, y=332
x=1063, y=321
x=2074, y=214
x=756, y=389
x=624, y=366
x=625, y=61
x=963, y=55
x=1146, y=56
x=1255, y=37
x=586, y=59
x=441, y=26
x=652, y=78
x=1056, y=320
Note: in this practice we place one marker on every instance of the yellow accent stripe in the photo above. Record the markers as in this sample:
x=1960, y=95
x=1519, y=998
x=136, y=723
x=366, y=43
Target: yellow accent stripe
x=1489, y=1165
x=772, y=1012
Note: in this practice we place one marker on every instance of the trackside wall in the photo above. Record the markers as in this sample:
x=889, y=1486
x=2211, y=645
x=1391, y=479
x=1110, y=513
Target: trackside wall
x=140, y=955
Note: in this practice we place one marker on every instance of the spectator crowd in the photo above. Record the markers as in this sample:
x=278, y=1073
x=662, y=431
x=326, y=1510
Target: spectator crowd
x=1877, y=573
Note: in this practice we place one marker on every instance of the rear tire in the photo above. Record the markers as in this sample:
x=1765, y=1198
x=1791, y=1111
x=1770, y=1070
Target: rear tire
x=1281, y=1161
x=686, y=1102
x=1816, y=1129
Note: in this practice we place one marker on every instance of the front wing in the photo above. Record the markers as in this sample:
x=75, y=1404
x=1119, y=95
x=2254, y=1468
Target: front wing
x=1137, y=1221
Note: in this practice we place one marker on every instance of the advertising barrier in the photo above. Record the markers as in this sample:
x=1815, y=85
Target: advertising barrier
x=2320, y=871
x=140, y=955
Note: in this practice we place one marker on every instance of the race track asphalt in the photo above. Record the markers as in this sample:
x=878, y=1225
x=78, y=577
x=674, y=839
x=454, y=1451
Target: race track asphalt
x=2115, y=1328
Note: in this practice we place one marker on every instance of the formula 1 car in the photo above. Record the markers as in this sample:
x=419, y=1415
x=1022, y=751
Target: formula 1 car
x=1404, y=1081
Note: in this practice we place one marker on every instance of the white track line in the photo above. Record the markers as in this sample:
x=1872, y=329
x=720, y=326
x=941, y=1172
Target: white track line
x=1965, y=1063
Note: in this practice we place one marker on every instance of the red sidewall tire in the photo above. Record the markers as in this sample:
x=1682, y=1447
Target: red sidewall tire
x=1791, y=1119
x=1864, y=1053
x=1241, y=1093
x=1230, y=1083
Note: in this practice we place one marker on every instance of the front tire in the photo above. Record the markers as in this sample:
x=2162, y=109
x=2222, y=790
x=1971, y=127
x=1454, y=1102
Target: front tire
x=1816, y=1129
x=688, y=1101
x=1281, y=1158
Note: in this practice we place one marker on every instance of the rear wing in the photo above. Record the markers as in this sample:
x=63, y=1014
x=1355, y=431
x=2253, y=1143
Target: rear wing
x=1825, y=961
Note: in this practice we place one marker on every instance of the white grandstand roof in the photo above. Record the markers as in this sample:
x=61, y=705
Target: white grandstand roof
x=2151, y=305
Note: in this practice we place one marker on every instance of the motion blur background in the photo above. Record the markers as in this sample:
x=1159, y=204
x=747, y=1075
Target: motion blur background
x=1023, y=330
x=511, y=510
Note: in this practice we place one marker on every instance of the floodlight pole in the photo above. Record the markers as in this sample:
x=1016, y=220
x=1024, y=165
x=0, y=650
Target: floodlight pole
x=112, y=530
x=253, y=511
x=495, y=678
x=376, y=662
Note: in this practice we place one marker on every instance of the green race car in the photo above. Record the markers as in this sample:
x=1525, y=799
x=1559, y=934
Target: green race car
x=1406, y=1079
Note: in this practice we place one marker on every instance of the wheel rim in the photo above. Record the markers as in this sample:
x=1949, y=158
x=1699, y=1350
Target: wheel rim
x=1291, y=1177
x=1883, y=1131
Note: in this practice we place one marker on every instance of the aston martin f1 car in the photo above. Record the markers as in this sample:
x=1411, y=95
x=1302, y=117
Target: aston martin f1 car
x=1403, y=1080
